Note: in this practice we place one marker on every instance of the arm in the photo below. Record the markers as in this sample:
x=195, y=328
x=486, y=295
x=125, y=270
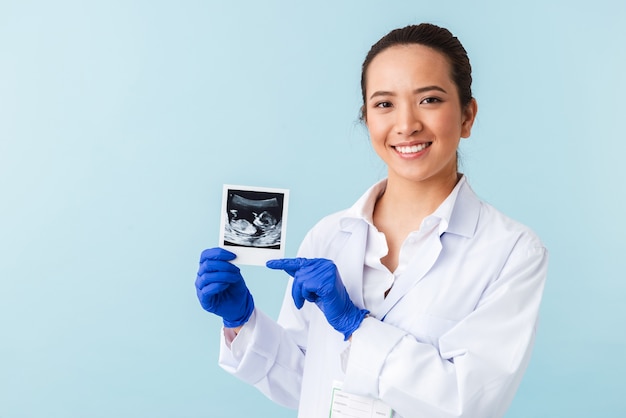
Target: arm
x=264, y=355
x=480, y=361
x=253, y=346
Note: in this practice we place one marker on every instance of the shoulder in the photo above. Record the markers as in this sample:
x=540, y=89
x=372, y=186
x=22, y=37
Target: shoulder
x=497, y=226
x=322, y=233
x=474, y=218
x=498, y=245
x=331, y=222
x=340, y=224
x=507, y=247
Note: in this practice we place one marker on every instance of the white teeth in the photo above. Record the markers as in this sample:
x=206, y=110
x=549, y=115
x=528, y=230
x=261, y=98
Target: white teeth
x=413, y=149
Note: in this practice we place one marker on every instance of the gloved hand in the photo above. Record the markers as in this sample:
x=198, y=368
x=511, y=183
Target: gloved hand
x=317, y=280
x=221, y=289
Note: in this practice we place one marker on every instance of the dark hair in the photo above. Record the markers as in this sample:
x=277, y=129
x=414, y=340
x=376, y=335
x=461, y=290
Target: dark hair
x=432, y=36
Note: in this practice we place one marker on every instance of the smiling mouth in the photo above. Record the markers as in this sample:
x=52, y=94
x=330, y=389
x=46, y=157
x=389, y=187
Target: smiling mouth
x=413, y=148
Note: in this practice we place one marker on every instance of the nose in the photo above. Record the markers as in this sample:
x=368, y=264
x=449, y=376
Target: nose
x=408, y=121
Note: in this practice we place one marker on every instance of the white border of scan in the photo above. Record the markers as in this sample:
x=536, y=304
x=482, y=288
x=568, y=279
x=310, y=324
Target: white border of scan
x=251, y=255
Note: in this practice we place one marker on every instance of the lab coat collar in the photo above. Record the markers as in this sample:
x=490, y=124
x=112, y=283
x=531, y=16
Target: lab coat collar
x=465, y=209
x=458, y=213
x=363, y=209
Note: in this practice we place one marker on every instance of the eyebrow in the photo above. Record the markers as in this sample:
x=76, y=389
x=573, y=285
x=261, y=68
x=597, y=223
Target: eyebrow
x=416, y=91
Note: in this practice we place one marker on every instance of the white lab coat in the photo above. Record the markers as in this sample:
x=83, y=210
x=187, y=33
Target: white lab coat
x=453, y=341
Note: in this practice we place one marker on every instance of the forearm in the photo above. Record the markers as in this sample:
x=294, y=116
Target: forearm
x=263, y=354
x=414, y=377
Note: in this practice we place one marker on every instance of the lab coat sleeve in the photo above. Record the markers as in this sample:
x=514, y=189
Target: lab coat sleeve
x=264, y=355
x=479, y=363
x=271, y=354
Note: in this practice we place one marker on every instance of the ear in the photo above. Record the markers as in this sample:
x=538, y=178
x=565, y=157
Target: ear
x=469, y=115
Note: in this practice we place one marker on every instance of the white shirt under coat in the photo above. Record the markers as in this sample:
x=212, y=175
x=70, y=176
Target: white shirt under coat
x=452, y=338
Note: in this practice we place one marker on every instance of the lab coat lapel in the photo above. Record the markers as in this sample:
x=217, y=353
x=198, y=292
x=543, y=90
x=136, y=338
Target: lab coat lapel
x=347, y=250
x=414, y=272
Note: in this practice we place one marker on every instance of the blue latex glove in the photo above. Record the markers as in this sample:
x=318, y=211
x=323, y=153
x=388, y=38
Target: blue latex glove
x=317, y=280
x=221, y=289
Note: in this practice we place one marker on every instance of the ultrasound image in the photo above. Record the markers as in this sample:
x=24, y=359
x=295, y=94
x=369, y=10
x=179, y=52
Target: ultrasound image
x=254, y=219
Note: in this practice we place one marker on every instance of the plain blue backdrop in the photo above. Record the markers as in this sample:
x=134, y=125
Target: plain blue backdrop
x=121, y=120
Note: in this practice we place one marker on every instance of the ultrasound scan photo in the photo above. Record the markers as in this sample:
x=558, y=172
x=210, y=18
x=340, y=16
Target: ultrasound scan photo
x=254, y=219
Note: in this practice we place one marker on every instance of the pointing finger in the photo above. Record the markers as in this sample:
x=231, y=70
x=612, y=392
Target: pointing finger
x=289, y=265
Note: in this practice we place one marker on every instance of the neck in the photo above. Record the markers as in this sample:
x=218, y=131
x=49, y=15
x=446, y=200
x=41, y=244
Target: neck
x=410, y=202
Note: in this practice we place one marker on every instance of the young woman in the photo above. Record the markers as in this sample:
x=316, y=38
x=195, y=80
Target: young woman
x=418, y=301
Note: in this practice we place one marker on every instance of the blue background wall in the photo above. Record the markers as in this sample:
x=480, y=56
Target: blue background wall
x=121, y=120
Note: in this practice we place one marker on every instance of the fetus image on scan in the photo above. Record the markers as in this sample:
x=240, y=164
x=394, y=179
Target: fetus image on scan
x=254, y=219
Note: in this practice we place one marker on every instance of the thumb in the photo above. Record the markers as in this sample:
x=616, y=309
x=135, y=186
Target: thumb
x=296, y=293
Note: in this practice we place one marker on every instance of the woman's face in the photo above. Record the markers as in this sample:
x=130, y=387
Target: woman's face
x=413, y=113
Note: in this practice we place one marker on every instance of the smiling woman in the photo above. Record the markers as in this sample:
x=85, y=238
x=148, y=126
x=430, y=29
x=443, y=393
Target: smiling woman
x=413, y=112
x=423, y=300
x=121, y=121
x=415, y=120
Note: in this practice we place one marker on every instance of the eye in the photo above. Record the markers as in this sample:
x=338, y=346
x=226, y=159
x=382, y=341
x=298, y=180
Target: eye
x=431, y=100
x=383, y=105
